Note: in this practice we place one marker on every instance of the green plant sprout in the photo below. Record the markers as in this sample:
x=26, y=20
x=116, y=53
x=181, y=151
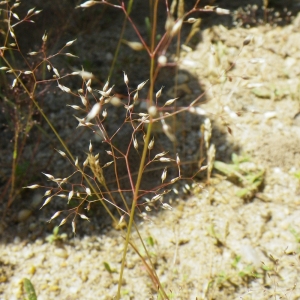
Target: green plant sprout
x=296, y=234
x=29, y=290
x=108, y=268
x=56, y=237
x=249, y=180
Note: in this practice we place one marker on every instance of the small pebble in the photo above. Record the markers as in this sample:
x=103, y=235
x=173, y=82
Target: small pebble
x=61, y=253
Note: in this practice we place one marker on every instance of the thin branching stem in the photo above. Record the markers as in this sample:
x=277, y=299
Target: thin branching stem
x=143, y=158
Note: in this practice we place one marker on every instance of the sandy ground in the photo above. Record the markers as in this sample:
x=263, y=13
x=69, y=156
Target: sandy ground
x=214, y=243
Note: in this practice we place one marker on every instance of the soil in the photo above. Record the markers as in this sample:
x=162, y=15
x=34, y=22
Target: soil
x=215, y=243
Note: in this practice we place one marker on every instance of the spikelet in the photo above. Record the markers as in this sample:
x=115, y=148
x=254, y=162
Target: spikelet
x=96, y=169
x=173, y=7
x=180, y=9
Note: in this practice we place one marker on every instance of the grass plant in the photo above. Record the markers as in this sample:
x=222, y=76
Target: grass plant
x=91, y=179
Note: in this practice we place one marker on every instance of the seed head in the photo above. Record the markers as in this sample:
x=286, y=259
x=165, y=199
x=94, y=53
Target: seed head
x=169, y=23
x=55, y=216
x=105, y=93
x=44, y=37
x=88, y=206
x=191, y=20
x=135, y=143
x=197, y=110
x=136, y=46
x=84, y=217
x=94, y=112
x=222, y=11
x=96, y=169
x=70, y=43
x=12, y=34
x=247, y=40
x=158, y=94
x=128, y=107
x=136, y=96
x=74, y=227
x=115, y=101
x=151, y=144
x=46, y=201
x=152, y=110
x=165, y=159
x=63, y=221
x=34, y=186
x=108, y=164
x=85, y=75
x=71, y=55
x=166, y=206
x=141, y=85
x=63, y=154
x=155, y=198
x=105, y=86
x=71, y=193
x=88, y=191
x=49, y=176
x=169, y=102
x=15, y=5
x=126, y=80
x=64, y=88
x=162, y=60
x=143, y=115
x=14, y=83
x=61, y=195
x=176, y=28
x=75, y=107
x=175, y=179
x=56, y=72
x=30, y=11
x=203, y=168
x=85, y=163
x=87, y=4
x=160, y=155
x=164, y=175
x=47, y=193
x=83, y=100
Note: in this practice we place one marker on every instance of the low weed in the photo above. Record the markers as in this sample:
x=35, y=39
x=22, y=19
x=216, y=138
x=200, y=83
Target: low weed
x=29, y=289
x=56, y=237
x=243, y=173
